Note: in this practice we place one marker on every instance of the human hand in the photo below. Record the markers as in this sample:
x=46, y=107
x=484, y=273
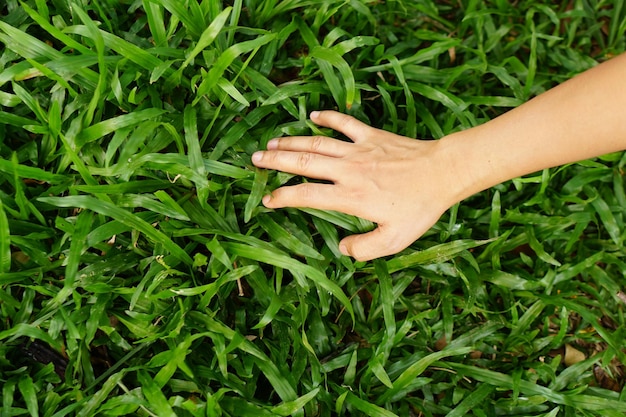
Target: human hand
x=401, y=184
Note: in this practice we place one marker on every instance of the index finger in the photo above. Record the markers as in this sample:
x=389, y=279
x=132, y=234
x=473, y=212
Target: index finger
x=356, y=130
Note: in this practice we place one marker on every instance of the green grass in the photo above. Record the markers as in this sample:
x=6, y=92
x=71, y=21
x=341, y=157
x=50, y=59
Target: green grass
x=139, y=273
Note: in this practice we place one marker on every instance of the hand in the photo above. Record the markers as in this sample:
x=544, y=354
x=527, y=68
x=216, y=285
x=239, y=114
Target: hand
x=403, y=185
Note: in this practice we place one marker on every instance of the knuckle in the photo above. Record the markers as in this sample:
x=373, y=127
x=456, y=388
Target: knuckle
x=305, y=192
x=304, y=160
x=316, y=143
x=349, y=122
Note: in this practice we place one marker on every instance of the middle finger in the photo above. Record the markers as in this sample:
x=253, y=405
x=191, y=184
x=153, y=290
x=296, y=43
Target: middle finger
x=307, y=164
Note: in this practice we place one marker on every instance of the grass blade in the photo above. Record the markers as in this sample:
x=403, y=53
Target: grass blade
x=339, y=89
x=256, y=194
x=367, y=408
x=438, y=253
x=471, y=401
x=416, y=369
x=208, y=36
x=28, y=391
x=5, y=241
x=156, y=399
x=121, y=215
x=111, y=125
x=226, y=58
x=195, y=155
x=299, y=269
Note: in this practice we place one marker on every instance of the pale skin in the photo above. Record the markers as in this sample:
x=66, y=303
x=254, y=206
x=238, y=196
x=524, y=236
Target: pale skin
x=404, y=185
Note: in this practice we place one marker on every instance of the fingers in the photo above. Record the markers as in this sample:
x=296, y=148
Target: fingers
x=306, y=155
x=381, y=241
x=348, y=125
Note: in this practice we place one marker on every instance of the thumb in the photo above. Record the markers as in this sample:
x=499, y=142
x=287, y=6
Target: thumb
x=379, y=242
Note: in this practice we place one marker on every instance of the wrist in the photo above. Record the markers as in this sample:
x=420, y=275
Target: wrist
x=470, y=168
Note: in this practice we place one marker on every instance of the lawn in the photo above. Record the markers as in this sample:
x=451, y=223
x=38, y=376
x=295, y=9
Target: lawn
x=141, y=275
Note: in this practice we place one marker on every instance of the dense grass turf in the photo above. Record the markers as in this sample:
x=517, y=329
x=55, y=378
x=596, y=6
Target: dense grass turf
x=139, y=273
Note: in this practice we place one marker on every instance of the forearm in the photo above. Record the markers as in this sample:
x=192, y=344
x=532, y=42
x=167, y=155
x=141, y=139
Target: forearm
x=581, y=118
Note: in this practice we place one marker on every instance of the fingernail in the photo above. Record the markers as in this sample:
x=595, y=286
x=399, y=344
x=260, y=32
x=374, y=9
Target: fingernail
x=272, y=144
x=343, y=249
x=266, y=199
x=314, y=114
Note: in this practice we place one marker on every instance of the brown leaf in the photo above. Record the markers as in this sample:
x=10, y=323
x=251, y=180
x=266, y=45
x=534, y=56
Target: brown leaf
x=573, y=355
x=605, y=380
